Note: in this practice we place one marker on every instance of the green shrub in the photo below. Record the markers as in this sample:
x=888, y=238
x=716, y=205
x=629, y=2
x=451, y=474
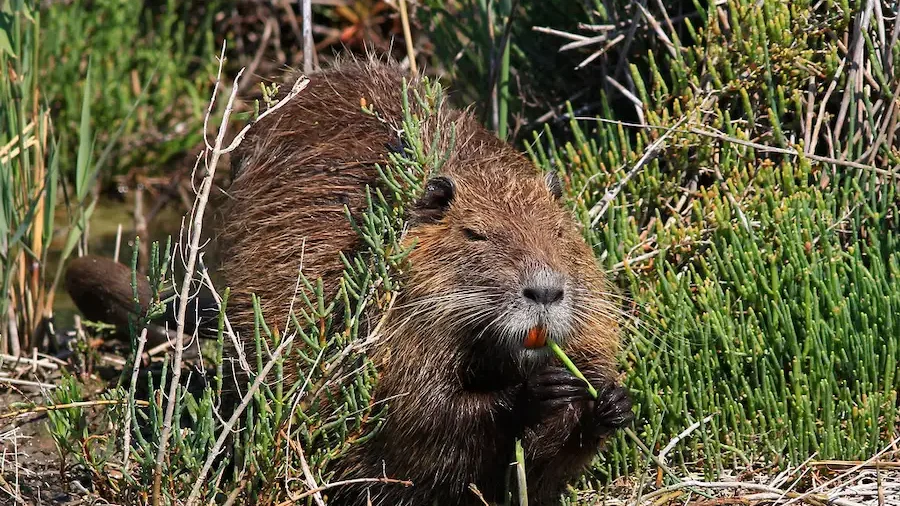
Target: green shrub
x=759, y=244
x=165, y=46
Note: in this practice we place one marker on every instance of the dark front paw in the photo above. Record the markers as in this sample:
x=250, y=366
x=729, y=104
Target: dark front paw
x=612, y=409
x=553, y=389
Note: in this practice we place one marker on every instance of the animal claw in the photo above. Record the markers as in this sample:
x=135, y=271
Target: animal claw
x=613, y=407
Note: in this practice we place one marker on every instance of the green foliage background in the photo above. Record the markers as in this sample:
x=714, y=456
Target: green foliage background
x=765, y=281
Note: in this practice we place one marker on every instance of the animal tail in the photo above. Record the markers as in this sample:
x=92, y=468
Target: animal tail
x=102, y=290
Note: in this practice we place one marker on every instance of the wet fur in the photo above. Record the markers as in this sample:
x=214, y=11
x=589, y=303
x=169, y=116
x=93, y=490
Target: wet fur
x=462, y=387
x=460, y=393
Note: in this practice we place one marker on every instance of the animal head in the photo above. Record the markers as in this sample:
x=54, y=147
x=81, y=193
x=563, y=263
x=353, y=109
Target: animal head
x=499, y=261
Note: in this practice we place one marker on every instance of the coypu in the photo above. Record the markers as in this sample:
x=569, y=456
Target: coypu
x=496, y=256
x=102, y=291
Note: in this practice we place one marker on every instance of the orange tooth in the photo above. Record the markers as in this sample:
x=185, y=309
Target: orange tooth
x=536, y=338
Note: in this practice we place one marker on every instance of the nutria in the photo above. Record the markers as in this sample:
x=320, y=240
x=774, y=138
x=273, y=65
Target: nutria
x=102, y=290
x=495, y=255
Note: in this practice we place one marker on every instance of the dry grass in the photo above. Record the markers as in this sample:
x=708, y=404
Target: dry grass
x=873, y=482
x=11, y=467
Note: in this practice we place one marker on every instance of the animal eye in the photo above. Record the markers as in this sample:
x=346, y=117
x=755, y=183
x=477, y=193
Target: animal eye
x=473, y=235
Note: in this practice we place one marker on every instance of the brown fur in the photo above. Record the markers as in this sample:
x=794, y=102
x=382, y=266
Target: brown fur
x=102, y=290
x=455, y=407
x=460, y=386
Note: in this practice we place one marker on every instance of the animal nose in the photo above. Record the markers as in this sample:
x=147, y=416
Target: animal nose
x=544, y=295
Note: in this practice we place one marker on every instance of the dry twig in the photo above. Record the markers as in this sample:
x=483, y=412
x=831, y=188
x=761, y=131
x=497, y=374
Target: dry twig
x=600, y=209
x=344, y=483
x=57, y=407
x=407, y=35
x=142, y=340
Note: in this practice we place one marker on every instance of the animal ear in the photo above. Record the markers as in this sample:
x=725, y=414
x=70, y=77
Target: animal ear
x=439, y=193
x=554, y=184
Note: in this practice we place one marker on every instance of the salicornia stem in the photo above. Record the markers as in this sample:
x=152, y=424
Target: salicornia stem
x=571, y=366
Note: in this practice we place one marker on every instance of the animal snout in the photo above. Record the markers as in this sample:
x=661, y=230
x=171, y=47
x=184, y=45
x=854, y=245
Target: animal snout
x=544, y=287
x=543, y=294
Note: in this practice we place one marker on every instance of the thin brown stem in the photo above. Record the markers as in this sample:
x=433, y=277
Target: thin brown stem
x=194, y=248
x=407, y=34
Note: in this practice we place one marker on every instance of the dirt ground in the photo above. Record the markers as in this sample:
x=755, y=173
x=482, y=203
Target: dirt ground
x=32, y=471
